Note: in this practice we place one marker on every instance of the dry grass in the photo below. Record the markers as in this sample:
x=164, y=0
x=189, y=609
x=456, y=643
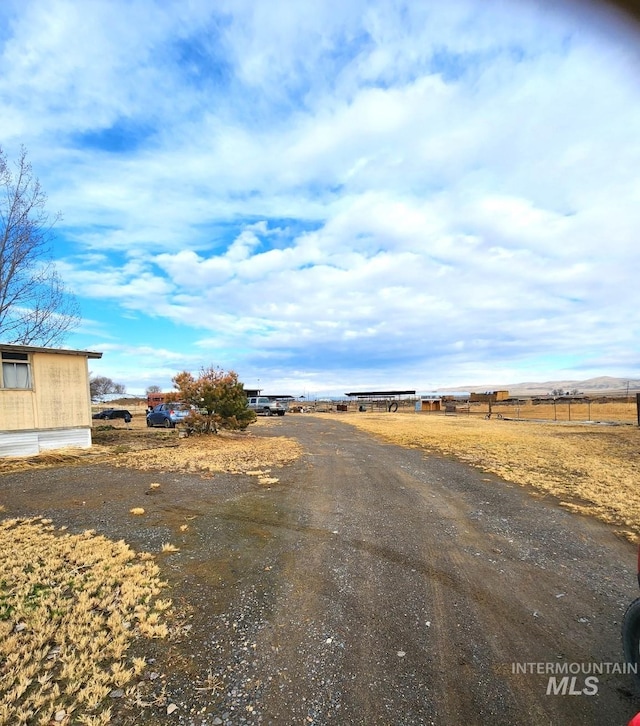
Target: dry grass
x=70, y=606
x=168, y=547
x=232, y=453
x=612, y=410
x=593, y=470
x=620, y=411
x=61, y=457
x=142, y=448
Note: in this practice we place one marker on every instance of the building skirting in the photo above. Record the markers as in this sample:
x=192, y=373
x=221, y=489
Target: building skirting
x=28, y=443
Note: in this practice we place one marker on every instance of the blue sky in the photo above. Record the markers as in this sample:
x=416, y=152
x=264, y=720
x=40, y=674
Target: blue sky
x=330, y=196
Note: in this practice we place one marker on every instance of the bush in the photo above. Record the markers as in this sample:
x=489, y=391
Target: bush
x=218, y=398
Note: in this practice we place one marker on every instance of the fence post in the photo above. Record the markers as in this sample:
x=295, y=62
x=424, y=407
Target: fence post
x=638, y=406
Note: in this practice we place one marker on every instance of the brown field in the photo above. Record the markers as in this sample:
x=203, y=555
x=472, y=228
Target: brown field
x=232, y=452
x=591, y=469
x=596, y=410
x=616, y=411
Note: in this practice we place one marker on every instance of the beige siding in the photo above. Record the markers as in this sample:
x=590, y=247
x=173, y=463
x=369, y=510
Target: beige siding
x=61, y=387
x=17, y=410
x=59, y=399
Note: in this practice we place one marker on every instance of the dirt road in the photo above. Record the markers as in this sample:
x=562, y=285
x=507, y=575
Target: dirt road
x=370, y=585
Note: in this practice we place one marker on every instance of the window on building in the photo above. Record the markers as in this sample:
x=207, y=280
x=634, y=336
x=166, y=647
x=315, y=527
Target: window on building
x=16, y=371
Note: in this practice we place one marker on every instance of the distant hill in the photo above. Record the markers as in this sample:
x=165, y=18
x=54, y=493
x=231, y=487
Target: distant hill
x=602, y=385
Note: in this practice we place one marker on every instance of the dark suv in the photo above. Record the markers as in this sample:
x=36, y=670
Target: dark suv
x=111, y=413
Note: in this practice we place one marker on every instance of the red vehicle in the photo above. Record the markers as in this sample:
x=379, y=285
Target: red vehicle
x=631, y=630
x=155, y=399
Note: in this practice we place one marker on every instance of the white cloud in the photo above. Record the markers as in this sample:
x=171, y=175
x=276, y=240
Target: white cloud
x=346, y=188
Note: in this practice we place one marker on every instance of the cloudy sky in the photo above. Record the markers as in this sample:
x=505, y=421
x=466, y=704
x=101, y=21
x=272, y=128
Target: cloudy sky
x=333, y=196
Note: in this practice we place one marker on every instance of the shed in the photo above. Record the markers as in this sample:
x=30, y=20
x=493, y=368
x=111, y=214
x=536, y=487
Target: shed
x=429, y=403
x=44, y=399
x=489, y=397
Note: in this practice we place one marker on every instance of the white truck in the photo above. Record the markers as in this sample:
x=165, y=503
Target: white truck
x=267, y=407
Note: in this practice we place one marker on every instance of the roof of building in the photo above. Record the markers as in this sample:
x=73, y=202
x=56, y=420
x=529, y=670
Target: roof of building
x=36, y=349
x=380, y=394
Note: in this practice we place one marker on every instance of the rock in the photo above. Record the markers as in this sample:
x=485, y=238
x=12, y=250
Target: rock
x=171, y=708
x=117, y=693
x=217, y=721
x=60, y=715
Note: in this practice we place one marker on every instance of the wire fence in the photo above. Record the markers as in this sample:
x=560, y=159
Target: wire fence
x=603, y=410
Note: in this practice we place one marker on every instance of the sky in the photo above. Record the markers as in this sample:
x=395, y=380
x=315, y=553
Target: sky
x=336, y=196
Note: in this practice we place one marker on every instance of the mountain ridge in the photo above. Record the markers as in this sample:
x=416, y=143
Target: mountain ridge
x=605, y=385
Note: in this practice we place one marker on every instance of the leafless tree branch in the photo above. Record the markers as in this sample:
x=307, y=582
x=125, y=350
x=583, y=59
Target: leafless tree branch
x=35, y=307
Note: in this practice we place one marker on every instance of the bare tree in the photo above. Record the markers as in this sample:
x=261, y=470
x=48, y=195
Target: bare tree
x=101, y=385
x=35, y=308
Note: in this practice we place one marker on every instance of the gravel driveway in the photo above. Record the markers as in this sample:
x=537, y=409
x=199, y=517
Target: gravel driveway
x=371, y=585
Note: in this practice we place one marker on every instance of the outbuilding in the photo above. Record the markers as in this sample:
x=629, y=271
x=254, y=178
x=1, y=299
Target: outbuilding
x=44, y=399
x=429, y=403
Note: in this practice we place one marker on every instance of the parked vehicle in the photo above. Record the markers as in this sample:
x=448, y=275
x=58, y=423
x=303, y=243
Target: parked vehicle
x=265, y=406
x=153, y=399
x=168, y=414
x=631, y=631
x=111, y=413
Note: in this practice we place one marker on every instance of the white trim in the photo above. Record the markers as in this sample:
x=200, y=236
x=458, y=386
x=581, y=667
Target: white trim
x=28, y=443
